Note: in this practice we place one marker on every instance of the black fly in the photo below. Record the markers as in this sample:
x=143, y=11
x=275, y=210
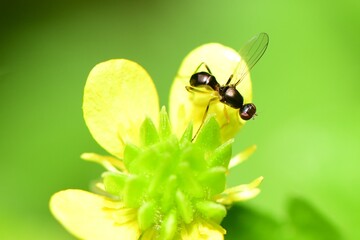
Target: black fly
x=250, y=54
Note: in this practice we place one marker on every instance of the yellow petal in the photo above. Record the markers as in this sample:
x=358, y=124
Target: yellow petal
x=203, y=230
x=188, y=106
x=241, y=157
x=240, y=193
x=118, y=95
x=86, y=215
x=108, y=162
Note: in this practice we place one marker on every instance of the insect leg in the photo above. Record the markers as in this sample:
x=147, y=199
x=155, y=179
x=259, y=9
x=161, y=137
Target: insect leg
x=229, y=80
x=206, y=66
x=196, y=70
x=192, y=89
x=226, y=114
x=204, y=117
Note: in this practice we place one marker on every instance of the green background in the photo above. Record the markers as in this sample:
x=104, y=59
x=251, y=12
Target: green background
x=306, y=89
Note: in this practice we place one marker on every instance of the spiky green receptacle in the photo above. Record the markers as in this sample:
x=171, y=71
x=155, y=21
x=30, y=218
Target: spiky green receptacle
x=172, y=182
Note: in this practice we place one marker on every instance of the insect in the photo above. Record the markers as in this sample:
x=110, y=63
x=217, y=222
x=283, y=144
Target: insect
x=228, y=94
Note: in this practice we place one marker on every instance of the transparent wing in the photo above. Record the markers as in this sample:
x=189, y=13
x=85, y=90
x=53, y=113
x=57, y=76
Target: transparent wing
x=250, y=54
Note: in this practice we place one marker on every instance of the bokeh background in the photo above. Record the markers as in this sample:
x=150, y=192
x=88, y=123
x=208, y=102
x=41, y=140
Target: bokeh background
x=306, y=89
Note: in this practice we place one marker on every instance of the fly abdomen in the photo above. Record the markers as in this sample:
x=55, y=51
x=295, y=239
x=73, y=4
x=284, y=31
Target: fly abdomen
x=204, y=78
x=231, y=97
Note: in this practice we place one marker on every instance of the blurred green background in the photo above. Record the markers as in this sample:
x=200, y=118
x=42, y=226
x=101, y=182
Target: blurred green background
x=306, y=89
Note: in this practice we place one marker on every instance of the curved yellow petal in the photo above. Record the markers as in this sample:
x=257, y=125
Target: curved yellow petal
x=118, y=95
x=203, y=230
x=240, y=193
x=87, y=216
x=110, y=163
x=242, y=156
x=189, y=106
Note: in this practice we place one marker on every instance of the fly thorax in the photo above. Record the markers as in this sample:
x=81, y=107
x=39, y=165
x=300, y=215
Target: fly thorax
x=231, y=96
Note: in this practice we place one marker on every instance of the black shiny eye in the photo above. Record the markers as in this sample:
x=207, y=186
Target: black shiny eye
x=247, y=111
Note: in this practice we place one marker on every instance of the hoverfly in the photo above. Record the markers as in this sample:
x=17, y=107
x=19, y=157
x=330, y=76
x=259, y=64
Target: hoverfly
x=250, y=54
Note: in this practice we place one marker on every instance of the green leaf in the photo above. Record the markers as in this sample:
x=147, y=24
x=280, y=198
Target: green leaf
x=169, y=226
x=114, y=182
x=146, y=215
x=222, y=155
x=308, y=223
x=184, y=207
x=160, y=176
x=211, y=210
x=194, y=156
x=164, y=126
x=145, y=163
x=134, y=191
x=213, y=179
x=187, y=135
x=209, y=135
x=148, y=133
x=189, y=183
x=168, y=197
x=304, y=223
x=131, y=152
x=245, y=223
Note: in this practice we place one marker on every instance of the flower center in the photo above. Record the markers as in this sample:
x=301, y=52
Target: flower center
x=173, y=181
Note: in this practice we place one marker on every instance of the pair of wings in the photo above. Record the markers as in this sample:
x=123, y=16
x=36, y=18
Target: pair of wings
x=250, y=54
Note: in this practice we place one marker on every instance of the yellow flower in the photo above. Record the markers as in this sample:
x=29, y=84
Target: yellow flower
x=160, y=182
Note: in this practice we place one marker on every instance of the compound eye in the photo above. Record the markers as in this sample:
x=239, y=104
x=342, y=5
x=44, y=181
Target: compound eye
x=247, y=111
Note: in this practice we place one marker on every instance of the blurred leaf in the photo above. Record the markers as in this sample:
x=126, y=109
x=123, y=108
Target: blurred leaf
x=306, y=222
x=247, y=224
